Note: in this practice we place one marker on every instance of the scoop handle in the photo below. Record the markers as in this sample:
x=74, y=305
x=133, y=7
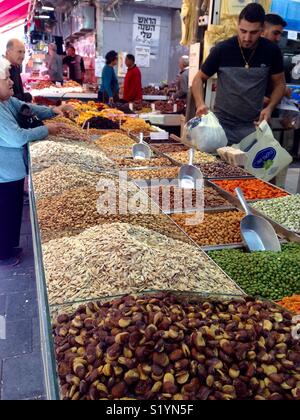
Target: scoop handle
x=141, y=138
x=191, y=156
x=243, y=201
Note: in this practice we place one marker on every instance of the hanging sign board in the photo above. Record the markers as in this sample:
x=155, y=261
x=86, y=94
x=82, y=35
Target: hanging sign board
x=142, y=56
x=146, y=31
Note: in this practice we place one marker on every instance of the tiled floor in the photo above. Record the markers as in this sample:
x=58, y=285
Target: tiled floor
x=21, y=372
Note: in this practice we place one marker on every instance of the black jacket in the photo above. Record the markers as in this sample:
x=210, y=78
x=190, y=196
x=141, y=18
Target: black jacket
x=15, y=75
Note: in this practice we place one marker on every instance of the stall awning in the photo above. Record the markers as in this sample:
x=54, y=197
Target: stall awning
x=12, y=11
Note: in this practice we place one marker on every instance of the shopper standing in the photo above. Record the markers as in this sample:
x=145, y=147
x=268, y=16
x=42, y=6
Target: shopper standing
x=109, y=90
x=12, y=162
x=245, y=65
x=183, y=78
x=75, y=64
x=274, y=27
x=133, y=91
x=15, y=54
x=55, y=64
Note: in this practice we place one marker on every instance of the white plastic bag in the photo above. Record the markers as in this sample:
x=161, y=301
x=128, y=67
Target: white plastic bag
x=205, y=133
x=265, y=156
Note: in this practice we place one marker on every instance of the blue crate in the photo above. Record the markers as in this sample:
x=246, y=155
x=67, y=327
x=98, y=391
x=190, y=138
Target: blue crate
x=288, y=10
x=295, y=92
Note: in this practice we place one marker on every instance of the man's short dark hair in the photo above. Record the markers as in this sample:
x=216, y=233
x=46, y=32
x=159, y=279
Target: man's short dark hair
x=275, y=20
x=70, y=47
x=253, y=13
x=111, y=57
x=131, y=57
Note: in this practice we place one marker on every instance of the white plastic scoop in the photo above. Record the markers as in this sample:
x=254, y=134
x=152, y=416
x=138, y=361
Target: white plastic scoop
x=141, y=151
x=189, y=174
x=257, y=232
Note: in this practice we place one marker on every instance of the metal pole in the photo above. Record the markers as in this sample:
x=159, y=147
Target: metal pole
x=99, y=27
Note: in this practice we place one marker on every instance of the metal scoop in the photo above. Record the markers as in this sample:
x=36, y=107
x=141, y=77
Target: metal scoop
x=141, y=151
x=189, y=174
x=257, y=232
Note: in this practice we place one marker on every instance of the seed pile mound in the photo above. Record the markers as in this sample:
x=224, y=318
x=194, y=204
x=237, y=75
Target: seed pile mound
x=266, y=274
x=121, y=258
x=216, y=229
x=166, y=347
x=60, y=178
x=285, y=211
x=88, y=157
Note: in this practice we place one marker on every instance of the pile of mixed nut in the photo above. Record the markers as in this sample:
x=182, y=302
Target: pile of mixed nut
x=168, y=347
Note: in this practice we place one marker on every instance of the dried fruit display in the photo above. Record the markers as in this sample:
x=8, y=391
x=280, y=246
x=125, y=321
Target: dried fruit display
x=163, y=173
x=267, y=274
x=69, y=213
x=285, y=211
x=59, y=178
x=98, y=122
x=43, y=84
x=153, y=91
x=216, y=229
x=291, y=303
x=87, y=157
x=183, y=157
x=167, y=347
x=120, y=258
x=134, y=163
x=115, y=139
x=169, y=148
x=71, y=131
x=117, y=151
x=222, y=170
x=61, y=120
x=168, y=107
x=253, y=189
x=171, y=198
x=136, y=125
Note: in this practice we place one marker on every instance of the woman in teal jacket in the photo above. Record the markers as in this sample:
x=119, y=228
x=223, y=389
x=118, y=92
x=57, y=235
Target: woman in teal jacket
x=109, y=90
x=12, y=162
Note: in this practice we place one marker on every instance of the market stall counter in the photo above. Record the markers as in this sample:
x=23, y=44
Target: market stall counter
x=85, y=257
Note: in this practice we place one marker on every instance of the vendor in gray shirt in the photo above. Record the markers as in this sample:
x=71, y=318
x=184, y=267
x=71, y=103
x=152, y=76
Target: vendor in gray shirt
x=55, y=64
x=183, y=78
x=245, y=65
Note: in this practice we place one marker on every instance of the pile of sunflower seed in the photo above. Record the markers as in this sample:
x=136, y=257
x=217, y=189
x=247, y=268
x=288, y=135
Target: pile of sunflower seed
x=120, y=258
x=87, y=157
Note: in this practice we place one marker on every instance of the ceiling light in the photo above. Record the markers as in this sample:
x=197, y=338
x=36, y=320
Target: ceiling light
x=48, y=8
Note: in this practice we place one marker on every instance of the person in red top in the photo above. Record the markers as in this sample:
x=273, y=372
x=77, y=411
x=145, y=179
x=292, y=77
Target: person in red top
x=133, y=81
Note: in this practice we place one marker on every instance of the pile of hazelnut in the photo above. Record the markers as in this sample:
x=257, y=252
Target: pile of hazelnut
x=165, y=346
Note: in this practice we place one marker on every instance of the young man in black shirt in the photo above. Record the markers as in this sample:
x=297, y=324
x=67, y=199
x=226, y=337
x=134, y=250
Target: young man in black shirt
x=245, y=64
x=75, y=64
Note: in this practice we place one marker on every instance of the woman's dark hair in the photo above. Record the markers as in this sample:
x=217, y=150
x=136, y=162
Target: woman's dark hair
x=275, y=20
x=253, y=13
x=110, y=57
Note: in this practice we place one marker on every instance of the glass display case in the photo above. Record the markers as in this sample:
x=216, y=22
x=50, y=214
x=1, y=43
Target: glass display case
x=163, y=230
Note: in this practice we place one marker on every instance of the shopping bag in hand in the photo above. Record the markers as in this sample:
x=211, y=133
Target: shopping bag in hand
x=205, y=133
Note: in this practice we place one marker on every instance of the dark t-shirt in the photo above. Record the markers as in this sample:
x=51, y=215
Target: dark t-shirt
x=76, y=67
x=241, y=91
x=228, y=54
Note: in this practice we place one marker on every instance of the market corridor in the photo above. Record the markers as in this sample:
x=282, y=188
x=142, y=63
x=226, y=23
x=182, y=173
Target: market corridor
x=21, y=369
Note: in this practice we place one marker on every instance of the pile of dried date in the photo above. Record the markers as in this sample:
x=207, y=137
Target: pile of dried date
x=167, y=347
